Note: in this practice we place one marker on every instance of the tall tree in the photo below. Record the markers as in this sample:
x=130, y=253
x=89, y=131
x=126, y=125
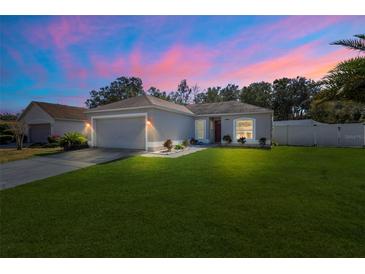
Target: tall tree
x=6, y=116
x=157, y=93
x=337, y=111
x=200, y=98
x=229, y=93
x=213, y=95
x=120, y=89
x=282, y=100
x=291, y=97
x=258, y=94
x=357, y=43
x=183, y=93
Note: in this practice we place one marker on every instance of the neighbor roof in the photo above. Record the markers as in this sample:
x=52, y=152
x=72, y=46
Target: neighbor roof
x=142, y=101
x=61, y=112
x=229, y=107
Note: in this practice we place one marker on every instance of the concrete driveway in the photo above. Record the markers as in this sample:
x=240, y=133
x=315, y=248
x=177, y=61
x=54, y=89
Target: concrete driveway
x=25, y=171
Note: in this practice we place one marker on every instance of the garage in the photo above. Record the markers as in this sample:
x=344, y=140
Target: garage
x=120, y=132
x=38, y=133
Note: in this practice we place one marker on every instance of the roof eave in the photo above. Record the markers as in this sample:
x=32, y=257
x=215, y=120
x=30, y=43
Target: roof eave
x=235, y=113
x=142, y=107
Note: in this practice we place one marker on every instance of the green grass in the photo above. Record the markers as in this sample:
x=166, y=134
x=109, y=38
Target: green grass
x=284, y=202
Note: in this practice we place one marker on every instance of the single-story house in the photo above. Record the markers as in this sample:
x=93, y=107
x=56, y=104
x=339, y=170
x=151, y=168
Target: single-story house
x=145, y=122
x=46, y=119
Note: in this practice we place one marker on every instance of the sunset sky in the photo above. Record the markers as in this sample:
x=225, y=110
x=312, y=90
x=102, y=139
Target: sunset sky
x=61, y=58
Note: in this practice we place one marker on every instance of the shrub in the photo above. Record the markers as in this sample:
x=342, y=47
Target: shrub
x=73, y=140
x=227, y=138
x=262, y=141
x=53, y=139
x=241, y=140
x=185, y=143
x=177, y=147
x=5, y=129
x=168, y=144
x=5, y=139
x=193, y=141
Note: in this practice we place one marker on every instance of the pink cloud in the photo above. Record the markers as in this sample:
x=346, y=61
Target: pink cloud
x=302, y=61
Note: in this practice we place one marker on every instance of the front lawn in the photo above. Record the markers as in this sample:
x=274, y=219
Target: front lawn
x=284, y=202
x=12, y=154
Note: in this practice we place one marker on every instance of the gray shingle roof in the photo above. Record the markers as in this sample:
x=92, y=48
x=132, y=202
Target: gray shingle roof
x=58, y=111
x=197, y=109
x=143, y=101
x=226, y=108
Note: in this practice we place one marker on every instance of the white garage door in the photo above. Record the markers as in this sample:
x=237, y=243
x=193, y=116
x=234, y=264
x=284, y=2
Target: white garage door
x=120, y=132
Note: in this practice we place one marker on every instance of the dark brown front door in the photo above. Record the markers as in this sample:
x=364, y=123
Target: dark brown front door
x=217, y=131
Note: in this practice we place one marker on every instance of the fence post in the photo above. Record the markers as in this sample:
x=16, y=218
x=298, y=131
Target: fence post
x=338, y=135
x=287, y=135
x=315, y=135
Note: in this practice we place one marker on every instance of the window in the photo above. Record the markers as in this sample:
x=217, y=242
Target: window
x=199, y=129
x=244, y=128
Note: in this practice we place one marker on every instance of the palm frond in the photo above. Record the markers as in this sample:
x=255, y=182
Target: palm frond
x=360, y=36
x=355, y=44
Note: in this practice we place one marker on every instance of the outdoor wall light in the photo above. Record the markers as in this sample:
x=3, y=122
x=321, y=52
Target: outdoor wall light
x=149, y=123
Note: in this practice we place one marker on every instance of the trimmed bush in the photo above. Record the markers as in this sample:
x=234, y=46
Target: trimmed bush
x=227, y=138
x=193, y=141
x=73, y=140
x=6, y=139
x=54, y=139
x=177, y=147
x=262, y=141
x=168, y=144
x=185, y=143
x=241, y=140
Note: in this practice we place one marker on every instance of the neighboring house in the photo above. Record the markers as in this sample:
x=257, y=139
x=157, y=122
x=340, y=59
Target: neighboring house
x=46, y=119
x=145, y=122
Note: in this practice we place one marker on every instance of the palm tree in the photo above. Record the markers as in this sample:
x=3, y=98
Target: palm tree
x=357, y=43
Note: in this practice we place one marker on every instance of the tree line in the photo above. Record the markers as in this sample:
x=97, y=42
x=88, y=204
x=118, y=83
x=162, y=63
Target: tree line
x=338, y=98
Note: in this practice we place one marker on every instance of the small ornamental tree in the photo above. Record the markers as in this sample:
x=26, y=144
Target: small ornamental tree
x=18, y=128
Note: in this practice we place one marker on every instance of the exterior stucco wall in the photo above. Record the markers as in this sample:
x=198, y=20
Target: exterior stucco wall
x=169, y=125
x=263, y=126
x=60, y=127
x=36, y=115
x=164, y=125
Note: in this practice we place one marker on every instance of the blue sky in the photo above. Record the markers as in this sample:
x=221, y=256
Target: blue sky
x=61, y=58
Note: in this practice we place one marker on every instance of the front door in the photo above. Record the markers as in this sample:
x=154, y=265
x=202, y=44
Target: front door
x=217, y=131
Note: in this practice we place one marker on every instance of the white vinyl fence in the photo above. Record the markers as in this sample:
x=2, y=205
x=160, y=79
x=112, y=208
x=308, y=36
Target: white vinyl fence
x=336, y=135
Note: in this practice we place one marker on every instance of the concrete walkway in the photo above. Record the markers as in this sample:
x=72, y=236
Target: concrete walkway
x=25, y=171
x=187, y=151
